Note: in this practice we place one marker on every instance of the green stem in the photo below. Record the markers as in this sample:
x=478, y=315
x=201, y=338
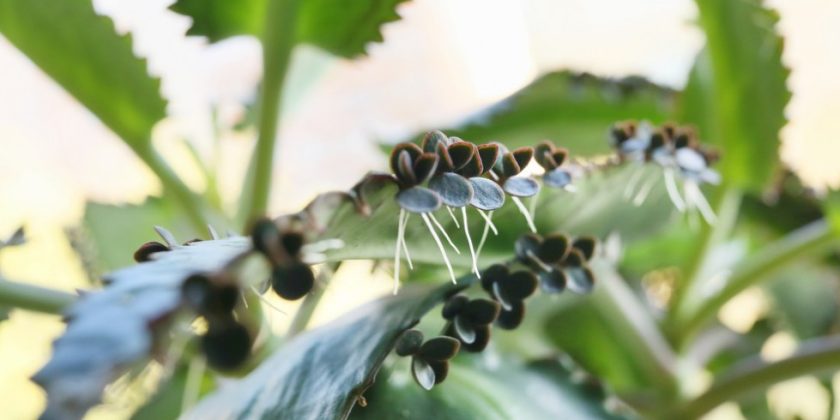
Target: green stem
x=809, y=240
x=311, y=301
x=278, y=41
x=754, y=374
x=639, y=332
x=34, y=298
x=728, y=203
x=172, y=185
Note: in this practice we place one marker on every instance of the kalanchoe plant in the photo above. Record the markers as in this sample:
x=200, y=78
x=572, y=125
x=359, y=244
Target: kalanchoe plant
x=653, y=356
x=560, y=262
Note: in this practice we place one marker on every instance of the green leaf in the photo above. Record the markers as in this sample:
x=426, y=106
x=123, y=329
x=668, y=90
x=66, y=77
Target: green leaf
x=808, y=308
x=574, y=110
x=611, y=334
x=82, y=52
x=114, y=232
x=540, y=390
x=321, y=373
x=340, y=27
x=737, y=91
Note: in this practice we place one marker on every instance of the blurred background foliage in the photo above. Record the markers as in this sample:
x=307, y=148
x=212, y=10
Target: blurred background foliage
x=563, y=70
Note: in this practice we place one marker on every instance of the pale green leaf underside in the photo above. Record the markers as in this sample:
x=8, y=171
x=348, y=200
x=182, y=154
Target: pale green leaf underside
x=82, y=52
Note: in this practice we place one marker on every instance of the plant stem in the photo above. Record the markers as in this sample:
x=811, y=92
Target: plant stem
x=755, y=374
x=311, y=301
x=728, y=202
x=34, y=298
x=191, y=203
x=278, y=40
x=808, y=240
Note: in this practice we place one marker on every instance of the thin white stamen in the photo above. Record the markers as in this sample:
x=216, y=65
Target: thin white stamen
x=445, y=235
x=493, y=175
x=404, y=242
x=439, y=244
x=488, y=221
x=673, y=191
x=400, y=234
x=700, y=201
x=524, y=212
x=635, y=177
x=469, y=242
x=452, y=215
x=265, y=301
x=487, y=225
x=643, y=193
x=532, y=206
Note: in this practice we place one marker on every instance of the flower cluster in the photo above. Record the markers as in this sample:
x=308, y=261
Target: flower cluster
x=291, y=276
x=227, y=343
x=458, y=174
x=679, y=152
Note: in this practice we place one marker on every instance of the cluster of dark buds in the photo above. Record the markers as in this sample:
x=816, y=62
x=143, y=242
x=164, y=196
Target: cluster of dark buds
x=469, y=321
x=458, y=174
x=560, y=263
x=227, y=343
x=291, y=276
x=678, y=151
x=510, y=290
x=429, y=360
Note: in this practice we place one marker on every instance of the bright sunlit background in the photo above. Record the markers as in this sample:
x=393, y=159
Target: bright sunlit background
x=444, y=60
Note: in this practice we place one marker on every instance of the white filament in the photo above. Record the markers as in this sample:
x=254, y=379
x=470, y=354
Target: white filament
x=445, y=235
x=487, y=224
x=673, y=190
x=469, y=242
x=635, y=177
x=265, y=301
x=643, y=193
x=525, y=213
x=452, y=215
x=404, y=242
x=439, y=244
x=694, y=195
x=400, y=234
x=489, y=221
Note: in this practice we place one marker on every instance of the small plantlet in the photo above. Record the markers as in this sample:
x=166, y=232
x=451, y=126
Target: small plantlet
x=510, y=290
x=144, y=253
x=291, y=277
x=678, y=151
x=429, y=360
x=470, y=320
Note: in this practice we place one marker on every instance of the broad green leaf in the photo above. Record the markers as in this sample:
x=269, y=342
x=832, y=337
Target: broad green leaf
x=541, y=390
x=808, y=308
x=611, y=334
x=83, y=53
x=574, y=110
x=737, y=90
x=340, y=27
x=321, y=374
x=114, y=232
